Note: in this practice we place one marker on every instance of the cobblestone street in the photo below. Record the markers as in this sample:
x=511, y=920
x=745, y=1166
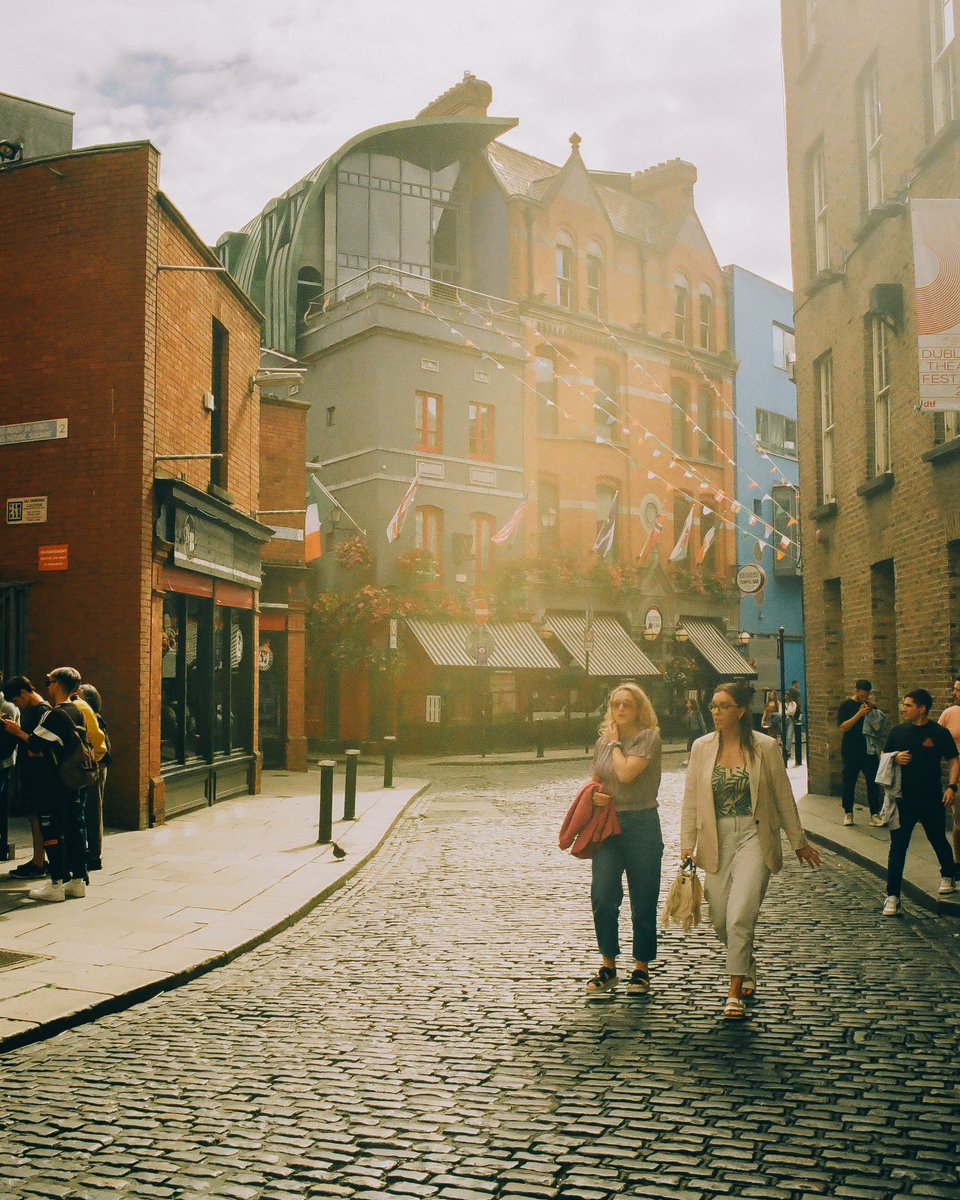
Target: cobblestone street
x=424, y=1033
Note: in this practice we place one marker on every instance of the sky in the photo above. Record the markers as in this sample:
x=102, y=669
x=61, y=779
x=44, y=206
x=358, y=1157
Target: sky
x=243, y=97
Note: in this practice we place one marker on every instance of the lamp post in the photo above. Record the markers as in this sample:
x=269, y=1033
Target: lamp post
x=587, y=647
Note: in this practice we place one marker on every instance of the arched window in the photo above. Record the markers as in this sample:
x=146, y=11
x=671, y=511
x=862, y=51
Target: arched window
x=606, y=494
x=681, y=308
x=309, y=288
x=595, y=279
x=564, y=260
x=484, y=527
x=606, y=402
x=706, y=410
x=430, y=532
x=548, y=513
x=545, y=377
x=708, y=338
x=680, y=394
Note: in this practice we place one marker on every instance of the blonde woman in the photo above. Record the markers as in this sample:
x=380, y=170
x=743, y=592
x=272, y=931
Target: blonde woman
x=736, y=801
x=626, y=763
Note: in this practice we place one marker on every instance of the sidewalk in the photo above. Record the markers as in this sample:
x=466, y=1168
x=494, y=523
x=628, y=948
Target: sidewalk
x=172, y=902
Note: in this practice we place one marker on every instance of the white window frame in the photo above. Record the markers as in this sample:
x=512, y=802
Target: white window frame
x=873, y=137
x=818, y=190
x=681, y=308
x=880, y=337
x=825, y=390
x=942, y=30
x=784, y=347
x=565, y=257
x=706, y=317
x=595, y=279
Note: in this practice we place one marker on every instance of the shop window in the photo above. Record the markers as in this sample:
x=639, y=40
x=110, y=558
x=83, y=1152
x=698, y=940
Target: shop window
x=480, y=418
x=429, y=422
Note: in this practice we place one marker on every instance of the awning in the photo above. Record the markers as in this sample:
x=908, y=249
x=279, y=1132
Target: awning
x=516, y=644
x=709, y=640
x=614, y=652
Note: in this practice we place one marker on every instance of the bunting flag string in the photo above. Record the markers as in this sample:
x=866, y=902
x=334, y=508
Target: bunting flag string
x=633, y=425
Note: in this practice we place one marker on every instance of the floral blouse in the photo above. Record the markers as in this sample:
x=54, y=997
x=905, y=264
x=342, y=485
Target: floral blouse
x=731, y=791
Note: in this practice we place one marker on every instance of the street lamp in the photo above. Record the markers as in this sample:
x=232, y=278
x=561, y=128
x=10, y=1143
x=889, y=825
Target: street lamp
x=679, y=633
x=744, y=638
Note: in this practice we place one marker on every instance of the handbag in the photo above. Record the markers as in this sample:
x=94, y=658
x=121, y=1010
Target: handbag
x=682, y=906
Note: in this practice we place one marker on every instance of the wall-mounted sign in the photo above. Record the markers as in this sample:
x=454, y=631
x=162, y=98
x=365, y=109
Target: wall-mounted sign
x=652, y=623
x=751, y=578
x=265, y=657
x=27, y=510
x=936, y=261
x=33, y=431
x=53, y=558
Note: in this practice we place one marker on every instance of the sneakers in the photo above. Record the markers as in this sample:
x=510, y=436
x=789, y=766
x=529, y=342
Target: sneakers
x=848, y=818
x=946, y=886
x=891, y=906
x=28, y=870
x=53, y=893
x=876, y=820
x=75, y=890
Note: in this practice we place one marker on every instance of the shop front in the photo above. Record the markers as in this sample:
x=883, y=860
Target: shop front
x=208, y=648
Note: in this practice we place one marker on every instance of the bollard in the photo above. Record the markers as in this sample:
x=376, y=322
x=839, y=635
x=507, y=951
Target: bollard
x=539, y=745
x=350, y=786
x=389, y=746
x=325, y=832
x=798, y=742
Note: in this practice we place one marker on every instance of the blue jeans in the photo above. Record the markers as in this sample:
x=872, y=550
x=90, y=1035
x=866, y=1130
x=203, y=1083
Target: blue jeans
x=638, y=851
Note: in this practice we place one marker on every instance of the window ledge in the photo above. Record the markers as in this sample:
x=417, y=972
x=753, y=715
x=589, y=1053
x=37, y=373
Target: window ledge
x=876, y=485
x=220, y=493
x=945, y=452
x=876, y=216
x=824, y=279
x=940, y=141
x=825, y=510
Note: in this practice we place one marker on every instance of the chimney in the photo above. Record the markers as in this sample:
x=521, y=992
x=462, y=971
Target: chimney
x=668, y=185
x=471, y=97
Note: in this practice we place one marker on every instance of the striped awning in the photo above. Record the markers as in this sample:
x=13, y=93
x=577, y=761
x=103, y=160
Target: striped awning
x=516, y=644
x=614, y=652
x=725, y=659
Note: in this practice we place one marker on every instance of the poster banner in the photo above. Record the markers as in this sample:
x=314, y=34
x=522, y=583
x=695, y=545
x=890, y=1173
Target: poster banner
x=936, y=267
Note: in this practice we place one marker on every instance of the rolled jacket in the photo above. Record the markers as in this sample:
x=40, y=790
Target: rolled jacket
x=771, y=800
x=586, y=826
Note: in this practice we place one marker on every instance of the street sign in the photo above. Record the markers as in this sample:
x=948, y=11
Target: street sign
x=33, y=431
x=27, y=510
x=53, y=558
x=750, y=579
x=481, y=612
x=480, y=646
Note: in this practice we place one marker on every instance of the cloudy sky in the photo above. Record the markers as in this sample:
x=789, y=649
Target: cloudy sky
x=243, y=97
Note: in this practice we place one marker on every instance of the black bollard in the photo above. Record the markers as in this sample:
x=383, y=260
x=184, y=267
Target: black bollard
x=539, y=745
x=325, y=832
x=798, y=743
x=350, y=786
x=389, y=746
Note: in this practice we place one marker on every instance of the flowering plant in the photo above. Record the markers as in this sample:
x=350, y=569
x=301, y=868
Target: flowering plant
x=354, y=552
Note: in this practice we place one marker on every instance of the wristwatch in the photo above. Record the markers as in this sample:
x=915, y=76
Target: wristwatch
x=951, y=787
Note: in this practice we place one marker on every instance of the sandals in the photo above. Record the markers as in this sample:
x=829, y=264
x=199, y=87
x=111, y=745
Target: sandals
x=639, y=982
x=604, y=981
x=734, y=1009
x=749, y=985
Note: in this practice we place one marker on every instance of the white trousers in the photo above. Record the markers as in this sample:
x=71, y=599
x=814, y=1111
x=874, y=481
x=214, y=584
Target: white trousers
x=736, y=891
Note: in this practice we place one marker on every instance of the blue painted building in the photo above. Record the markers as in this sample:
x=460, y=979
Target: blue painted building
x=767, y=473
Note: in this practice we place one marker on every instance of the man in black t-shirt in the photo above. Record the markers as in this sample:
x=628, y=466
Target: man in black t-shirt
x=920, y=745
x=854, y=752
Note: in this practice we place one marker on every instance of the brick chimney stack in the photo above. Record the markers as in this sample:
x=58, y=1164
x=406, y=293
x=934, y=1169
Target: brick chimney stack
x=668, y=185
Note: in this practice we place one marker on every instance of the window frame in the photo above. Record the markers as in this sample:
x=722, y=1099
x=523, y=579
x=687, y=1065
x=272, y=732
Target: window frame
x=824, y=380
x=706, y=414
x=428, y=532
x=606, y=402
x=681, y=308
x=564, y=266
x=942, y=73
x=594, y=278
x=429, y=430
x=819, y=208
x=872, y=134
x=481, y=430
x=707, y=318
x=882, y=389
x=483, y=527
x=680, y=411
x=765, y=432
x=548, y=411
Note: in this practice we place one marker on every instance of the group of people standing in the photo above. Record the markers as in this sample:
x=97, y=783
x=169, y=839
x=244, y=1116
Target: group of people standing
x=38, y=736
x=902, y=770
x=737, y=799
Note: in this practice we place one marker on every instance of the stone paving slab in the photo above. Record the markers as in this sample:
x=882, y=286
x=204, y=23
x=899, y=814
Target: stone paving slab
x=175, y=900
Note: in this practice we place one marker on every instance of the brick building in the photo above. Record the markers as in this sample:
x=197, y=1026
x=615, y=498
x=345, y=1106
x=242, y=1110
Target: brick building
x=504, y=329
x=872, y=128
x=128, y=550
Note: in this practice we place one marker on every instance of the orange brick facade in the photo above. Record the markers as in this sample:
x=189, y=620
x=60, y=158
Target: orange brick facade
x=122, y=351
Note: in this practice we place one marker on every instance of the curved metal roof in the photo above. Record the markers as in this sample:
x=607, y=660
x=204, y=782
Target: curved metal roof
x=273, y=270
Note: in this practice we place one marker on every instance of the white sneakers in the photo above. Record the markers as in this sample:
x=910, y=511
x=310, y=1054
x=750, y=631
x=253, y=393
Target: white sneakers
x=848, y=818
x=56, y=893
x=946, y=886
x=876, y=820
x=891, y=906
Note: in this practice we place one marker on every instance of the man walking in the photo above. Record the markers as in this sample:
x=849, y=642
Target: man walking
x=950, y=720
x=919, y=746
x=62, y=688
x=52, y=740
x=855, y=753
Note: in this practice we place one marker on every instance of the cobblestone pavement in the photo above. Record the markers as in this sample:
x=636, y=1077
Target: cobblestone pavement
x=424, y=1033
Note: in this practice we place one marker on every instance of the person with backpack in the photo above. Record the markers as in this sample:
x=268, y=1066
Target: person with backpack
x=93, y=796
x=61, y=755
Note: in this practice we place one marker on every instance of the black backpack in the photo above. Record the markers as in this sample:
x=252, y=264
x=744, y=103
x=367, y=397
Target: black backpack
x=78, y=766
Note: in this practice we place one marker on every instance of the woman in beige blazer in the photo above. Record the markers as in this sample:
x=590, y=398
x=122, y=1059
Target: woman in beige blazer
x=736, y=801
